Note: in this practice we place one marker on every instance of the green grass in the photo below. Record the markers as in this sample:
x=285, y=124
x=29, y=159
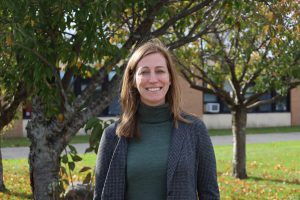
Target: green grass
x=273, y=170
x=19, y=142
x=24, y=142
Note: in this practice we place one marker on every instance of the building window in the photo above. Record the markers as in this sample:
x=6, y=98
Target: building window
x=210, y=98
x=281, y=105
x=265, y=107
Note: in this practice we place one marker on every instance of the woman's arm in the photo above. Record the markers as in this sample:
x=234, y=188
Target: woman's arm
x=104, y=155
x=207, y=184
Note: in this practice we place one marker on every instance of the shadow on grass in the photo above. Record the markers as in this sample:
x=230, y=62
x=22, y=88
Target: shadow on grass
x=291, y=182
x=20, y=195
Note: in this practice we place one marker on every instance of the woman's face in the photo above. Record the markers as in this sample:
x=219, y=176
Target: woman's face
x=152, y=79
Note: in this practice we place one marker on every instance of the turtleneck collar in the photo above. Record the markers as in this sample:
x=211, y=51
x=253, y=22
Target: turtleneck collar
x=154, y=114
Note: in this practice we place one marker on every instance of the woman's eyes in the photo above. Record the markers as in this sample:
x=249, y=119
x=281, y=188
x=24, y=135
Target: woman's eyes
x=157, y=71
x=144, y=72
x=160, y=71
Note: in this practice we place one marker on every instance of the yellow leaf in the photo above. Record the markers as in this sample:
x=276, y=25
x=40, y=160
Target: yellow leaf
x=274, y=41
x=279, y=27
x=9, y=40
x=254, y=57
x=98, y=65
x=278, y=167
x=266, y=29
x=60, y=117
x=88, y=74
x=253, y=164
x=78, y=64
x=270, y=16
x=112, y=40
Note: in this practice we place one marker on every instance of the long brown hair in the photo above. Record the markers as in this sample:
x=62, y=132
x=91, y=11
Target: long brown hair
x=130, y=97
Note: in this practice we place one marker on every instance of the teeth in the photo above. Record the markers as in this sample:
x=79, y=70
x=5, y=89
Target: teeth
x=153, y=89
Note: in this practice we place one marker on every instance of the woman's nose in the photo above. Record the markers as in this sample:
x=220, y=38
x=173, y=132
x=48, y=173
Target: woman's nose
x=153, y=77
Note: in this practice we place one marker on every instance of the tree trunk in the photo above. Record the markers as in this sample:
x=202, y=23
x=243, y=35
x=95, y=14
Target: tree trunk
x=44, y=157
x=2, y=186
x=239, y=121
x=44, y=160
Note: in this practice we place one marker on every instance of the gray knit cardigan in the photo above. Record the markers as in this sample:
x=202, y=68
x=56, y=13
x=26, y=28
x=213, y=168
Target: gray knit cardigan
x=191, y=166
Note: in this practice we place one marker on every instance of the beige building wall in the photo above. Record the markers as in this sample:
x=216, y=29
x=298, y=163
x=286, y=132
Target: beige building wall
x=191, y=99
x=295, y=106
x=254, y=120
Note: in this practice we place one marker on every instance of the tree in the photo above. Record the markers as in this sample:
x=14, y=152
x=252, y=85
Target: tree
x=12, y=87
x=254, y=51
x=86, y=39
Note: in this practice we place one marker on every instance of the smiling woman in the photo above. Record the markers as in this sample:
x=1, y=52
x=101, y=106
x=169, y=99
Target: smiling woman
x=155, y=151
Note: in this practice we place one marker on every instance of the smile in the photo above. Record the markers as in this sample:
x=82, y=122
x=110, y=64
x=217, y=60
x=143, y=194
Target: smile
x=154, y=89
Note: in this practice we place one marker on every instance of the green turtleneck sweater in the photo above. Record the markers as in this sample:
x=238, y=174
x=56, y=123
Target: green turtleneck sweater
x=147, y=157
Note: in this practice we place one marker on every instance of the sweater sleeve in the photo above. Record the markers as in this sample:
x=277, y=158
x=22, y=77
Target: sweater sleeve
x=104, y=155
x=207, y=184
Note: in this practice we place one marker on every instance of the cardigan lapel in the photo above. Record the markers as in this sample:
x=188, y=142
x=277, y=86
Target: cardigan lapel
x=178, y=136
x=114, y=186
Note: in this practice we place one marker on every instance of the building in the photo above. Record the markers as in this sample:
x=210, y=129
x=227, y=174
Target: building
x=216, y=115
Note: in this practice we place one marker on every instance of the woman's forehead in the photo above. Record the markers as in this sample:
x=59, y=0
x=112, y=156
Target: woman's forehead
x=152, y=60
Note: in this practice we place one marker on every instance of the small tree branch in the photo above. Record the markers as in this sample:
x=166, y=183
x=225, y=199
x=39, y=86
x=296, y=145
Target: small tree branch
x=253, y=98
x=231, y=64
x=251, y=80
x=102, y=98
x=201, y=88
x=66, y=80
x=263, y=102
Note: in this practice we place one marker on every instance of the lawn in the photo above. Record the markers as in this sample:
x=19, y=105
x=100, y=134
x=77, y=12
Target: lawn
x=273, y=170
x=24, y=142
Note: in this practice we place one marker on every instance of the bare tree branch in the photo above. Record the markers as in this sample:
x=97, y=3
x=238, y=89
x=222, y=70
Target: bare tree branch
x=253, y=98
x=262, y=102
x=8, y=110
x=184, y=13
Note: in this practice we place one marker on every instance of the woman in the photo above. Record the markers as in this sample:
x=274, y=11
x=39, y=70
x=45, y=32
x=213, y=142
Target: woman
x=154, y=151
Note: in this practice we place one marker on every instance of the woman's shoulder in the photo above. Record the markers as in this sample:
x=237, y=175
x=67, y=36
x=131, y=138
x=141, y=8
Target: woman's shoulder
x=192, y=118
x=196, y=128
x=110, y=131
x=193, y=121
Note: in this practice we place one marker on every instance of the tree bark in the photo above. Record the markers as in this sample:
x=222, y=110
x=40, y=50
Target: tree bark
x=239, y=122
x=2, y=186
